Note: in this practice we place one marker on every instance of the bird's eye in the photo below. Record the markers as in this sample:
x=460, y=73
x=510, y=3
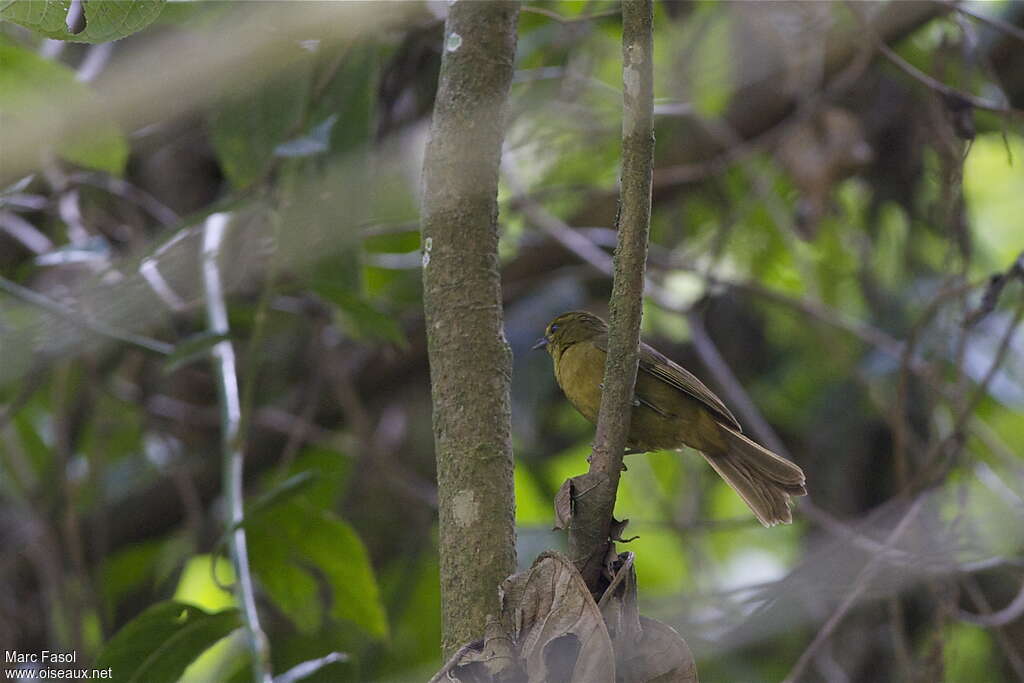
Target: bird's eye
x=554, y=328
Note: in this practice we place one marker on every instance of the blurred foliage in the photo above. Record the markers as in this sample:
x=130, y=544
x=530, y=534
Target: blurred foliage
x=30, y=83
x=846, y=332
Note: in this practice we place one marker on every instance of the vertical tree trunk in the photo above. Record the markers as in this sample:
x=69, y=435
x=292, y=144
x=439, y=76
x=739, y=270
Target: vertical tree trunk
x=470, y=362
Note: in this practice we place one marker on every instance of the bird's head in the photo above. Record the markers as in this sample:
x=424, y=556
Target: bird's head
x=570, y=328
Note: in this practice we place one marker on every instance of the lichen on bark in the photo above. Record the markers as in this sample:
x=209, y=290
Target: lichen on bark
x=470, y=361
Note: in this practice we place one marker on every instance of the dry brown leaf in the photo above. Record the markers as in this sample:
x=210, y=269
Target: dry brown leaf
x=661, y=656
x=619, y=607
x=556, y=625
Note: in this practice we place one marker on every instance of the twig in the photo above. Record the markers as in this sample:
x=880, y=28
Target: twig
x=306, y=669
x=26, y=389
x=994, y=22
x=589, y=533
x=734, y=391
x=1006, y=615
x=227, y=388
x=995, y=287
x=572, y=240
x=454, y=660
x=852, y=597
x=95, y=61
x=530, y=9
x=952, y=94
x=956, y=434
x=1012, y=655
x=47, y=304
x=739, y=149
x=375, y=451
x=20, y=229
x=764, y=189
x=129, y=192
x=1004, y=347
x=901, y=646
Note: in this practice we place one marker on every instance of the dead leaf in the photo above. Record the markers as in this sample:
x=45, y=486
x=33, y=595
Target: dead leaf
x=661, y=656
x=616, y=529
x=551, y=630
x=619, y=606
x=556, y=625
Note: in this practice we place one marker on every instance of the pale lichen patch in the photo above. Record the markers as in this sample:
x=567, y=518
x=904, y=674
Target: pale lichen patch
x=465, y=508
x=428, y=244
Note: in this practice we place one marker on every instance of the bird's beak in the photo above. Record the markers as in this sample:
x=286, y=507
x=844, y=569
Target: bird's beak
x=541, y=343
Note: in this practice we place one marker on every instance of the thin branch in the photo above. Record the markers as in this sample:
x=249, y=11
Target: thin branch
x=734, y=391
x=1005, y=344
x=589, y=533
x=49, y=305
x=948, y=91
x=1007, y=615
x=550, y=14
x=956, y=435
x=26, y=389
x=20, y=229
x=995, y=287
x=95, y=61
x=230, y=409
x=994, y=22
x=1011, y=652
x=129, y=192
x=853, y=596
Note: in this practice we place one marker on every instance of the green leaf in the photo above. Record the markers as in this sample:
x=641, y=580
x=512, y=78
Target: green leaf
x=192, y=349
x=288, y=488
x=350, y=96
x=128, y=570
x=329, y=467
x=104, y=21
x=159, y=644
x=292, y=588
x=281, y=492
x=30, y=85
x=712, y=80
x=396, y=242
x=248, y=126
x=294, y=543
x=333, y=546
x=39, y=452
x=363, y=321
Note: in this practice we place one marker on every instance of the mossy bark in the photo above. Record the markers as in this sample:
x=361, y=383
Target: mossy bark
x=470, y=361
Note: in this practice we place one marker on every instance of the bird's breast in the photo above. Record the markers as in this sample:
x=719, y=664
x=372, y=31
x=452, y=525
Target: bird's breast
x=663, y=418
x=579, y=370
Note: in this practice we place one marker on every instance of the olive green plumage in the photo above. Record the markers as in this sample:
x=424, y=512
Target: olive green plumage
x=672, y=409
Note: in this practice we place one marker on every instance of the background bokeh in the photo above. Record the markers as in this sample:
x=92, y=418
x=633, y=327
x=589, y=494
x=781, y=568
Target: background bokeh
x=827, y=224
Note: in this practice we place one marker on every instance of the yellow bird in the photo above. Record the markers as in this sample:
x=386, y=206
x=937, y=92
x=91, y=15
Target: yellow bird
x=672, y=409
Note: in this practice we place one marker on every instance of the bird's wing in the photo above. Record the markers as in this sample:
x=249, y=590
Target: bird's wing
x=657, y=365
x=654, y=363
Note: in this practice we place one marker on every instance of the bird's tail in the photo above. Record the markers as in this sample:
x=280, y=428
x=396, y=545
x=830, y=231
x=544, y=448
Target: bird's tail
x=763, y=480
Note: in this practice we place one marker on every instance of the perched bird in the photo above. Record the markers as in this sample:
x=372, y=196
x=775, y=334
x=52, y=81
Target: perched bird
x=672, y=409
